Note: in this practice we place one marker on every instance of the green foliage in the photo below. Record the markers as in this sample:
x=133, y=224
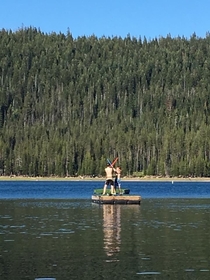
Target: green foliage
x=67, y=104
x=138, y=174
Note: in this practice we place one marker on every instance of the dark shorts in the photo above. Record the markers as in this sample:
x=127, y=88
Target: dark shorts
x=109, y=182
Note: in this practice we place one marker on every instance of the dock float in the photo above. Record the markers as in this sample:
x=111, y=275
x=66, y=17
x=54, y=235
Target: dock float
x=116, y=199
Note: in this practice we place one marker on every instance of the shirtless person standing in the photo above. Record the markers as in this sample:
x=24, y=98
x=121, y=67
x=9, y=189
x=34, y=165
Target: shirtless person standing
x=109, y=179
x=117, y=178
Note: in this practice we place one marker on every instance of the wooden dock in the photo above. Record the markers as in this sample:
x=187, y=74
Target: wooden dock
x=116, y=199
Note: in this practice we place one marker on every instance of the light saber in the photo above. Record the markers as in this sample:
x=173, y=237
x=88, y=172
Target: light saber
x=112, y=163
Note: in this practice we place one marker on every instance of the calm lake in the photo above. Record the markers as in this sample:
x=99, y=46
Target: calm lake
x=52, y=230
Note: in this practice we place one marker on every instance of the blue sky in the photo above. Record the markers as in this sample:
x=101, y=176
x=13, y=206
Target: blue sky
x=139, y=18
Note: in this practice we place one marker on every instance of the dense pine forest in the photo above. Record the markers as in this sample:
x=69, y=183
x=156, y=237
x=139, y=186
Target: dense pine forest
x=66, y=105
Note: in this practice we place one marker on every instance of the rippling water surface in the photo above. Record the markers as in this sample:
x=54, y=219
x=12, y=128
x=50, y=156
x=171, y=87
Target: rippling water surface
x=51, y=230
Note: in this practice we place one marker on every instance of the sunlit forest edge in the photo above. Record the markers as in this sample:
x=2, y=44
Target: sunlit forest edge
x=66, y=105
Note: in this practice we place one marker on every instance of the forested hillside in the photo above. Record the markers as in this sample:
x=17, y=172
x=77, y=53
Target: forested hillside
x=66, y=105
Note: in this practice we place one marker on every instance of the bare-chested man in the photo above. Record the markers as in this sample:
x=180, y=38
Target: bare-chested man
x=109, y=179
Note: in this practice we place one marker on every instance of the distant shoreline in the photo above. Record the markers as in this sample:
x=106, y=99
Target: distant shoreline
x=86, y=178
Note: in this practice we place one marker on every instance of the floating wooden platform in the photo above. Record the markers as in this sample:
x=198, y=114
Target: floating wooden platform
x=116, y=199
x=108, y=191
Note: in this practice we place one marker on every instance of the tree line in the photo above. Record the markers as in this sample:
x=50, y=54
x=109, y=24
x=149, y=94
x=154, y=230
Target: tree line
x=66, y=105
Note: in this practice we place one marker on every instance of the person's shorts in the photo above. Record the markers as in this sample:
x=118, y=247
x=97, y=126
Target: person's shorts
x=117, y=182
x=109, y=182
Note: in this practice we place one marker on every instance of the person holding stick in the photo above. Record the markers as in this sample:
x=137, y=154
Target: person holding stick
x=109, y=179
x=118, y=171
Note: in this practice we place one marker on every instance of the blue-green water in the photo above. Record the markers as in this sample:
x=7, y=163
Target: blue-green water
x=52, y=230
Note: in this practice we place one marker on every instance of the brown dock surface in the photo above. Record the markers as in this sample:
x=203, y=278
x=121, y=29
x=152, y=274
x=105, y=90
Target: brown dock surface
x=116, y=199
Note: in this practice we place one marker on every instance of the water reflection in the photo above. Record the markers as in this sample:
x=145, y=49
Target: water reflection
x=112, y=229
x=74, y=239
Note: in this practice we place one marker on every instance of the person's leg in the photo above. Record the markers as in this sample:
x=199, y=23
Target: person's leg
x=113, y=189
x=119, y=185
x=104, y=190
x=115, y=185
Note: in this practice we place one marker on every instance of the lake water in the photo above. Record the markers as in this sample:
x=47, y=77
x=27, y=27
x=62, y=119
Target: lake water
x=52, y=230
